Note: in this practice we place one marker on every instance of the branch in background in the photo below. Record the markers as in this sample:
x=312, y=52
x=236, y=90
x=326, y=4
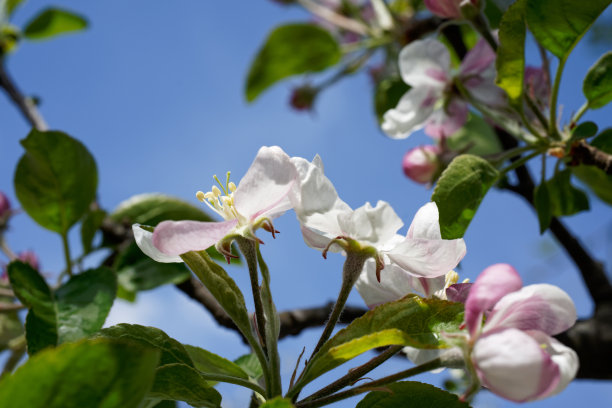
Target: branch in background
x=583, y=153
x=24, y=104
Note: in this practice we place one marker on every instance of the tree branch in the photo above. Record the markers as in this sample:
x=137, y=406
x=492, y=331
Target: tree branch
x=584, y=153
x=24, y=104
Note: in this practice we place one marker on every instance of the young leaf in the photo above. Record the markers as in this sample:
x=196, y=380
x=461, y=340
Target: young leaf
x=52, y=22
x=387, y=94
x=459, y=191
x=510, y=61
x=11, y=5
x=277, y=402
x=410, y=321
x=584, y=130
x=96, y=374
x=291, y=50
x=560, y=24
x=153, y=208
x=55, y=180
x=147, y=274
x=541, y=201
x=597, y=85
x=250, y=364
x=208, y=362
x=411, y=394
x=89, y=226
x=566, y=199
x=183, y=383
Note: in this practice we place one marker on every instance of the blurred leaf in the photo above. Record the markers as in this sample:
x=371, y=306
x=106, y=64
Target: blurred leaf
x=171, y=351
x=278, y=402
x=183, y=383
x=76, y=310
x=603, y=141
x=584, y=130
x=476, y=136
x=92, y=374
x=510, y=61
x=52, y=22
x=387, y=94
x=562, y=198
x=208, y=362
x=166, y=404
x=55, y=179
x=89, y=226
x=560, y=24
x=11, y=5
x=153, y=208
x=493, y=12
x=250, y=364
x=291, y=50
x=410, y=321
x=148, y=274
x=541, y=201
x=459, y=191
x=411, y=394
x=597, y=85
x=598, y=181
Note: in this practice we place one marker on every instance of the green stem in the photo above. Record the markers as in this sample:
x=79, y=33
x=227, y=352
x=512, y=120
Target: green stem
x=5, y=248
x=233, y=380
x=581, y=111
x=535, y=109
x=431, y=365
x=510, y=154
x=554, y=95
x=67, y=253
x=520, y=161
x=355, y=373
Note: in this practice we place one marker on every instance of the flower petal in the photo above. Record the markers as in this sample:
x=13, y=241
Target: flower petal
x=427, y=257
x=426, y=223
x=478, y=59
x=411, y=112
x=178, y=237
x=444, y=8
x=494, y=282
x=264, y=190
x=375, y=226
x=448, y=120
x=512, y=364
x=458, y=292
x=144, y=240
x=425, y=63
x=541, y=307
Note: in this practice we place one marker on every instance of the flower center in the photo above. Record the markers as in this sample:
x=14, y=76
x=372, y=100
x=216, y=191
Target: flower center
x=221, y=200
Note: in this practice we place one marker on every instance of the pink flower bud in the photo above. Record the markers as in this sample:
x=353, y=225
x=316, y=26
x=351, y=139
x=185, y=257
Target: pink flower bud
x=30, y=258
x=421, y=163
x=303, y=97
x=448, y=8
x=5, y=205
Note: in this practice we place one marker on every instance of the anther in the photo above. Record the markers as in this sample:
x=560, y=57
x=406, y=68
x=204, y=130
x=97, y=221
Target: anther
x=201, y=196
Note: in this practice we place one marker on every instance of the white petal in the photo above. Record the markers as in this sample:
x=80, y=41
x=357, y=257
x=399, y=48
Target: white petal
x=376, y=226
x=512, y=364
x=425, y=223
x=144, y=240
x=428, y=258
x=541, y=307
x=178, y=237
x=422, y=356
x=264, y=189
x=411, y=113
x=425, y=63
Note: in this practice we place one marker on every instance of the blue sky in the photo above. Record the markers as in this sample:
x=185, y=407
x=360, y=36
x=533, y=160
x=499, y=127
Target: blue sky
x=155, y=91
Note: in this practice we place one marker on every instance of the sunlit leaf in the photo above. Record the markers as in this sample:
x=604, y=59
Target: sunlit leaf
x=510, y=60
x=52, y=22
x=597, y=85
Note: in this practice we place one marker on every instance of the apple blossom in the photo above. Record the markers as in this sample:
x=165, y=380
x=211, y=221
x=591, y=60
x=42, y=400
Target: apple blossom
x=448, y=8
x=262, y=194
x=512, y=352
x=434, y=101
x=325, y=219
x=421, y=163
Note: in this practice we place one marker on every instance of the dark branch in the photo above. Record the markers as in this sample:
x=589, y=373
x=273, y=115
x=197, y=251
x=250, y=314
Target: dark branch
x=294, y=321
x=584, y=153
x=24, y=104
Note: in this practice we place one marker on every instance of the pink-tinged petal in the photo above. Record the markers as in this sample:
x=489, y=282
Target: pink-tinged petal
x=494, y=282
x=425, y=63
x=411, y=112
x=447, y=121
x=178, y=237
x=541, y=307
x=375, y=226
x=395, y=283
x=428, y=258
x=477, y=60
x=458, y=292
x=512, y=364
x=421, y=163
x=487, y=93
x=444, y=8
x=144, y=240
x=426, y=223
x=264, y=189
x=564, y=357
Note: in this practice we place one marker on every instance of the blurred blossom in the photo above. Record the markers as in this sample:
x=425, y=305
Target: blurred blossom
x=28, y=257
x=434, y=100
x=448, y=8
x=537, y=83
x=5, y=206
x=359, y=9
x=421, y=163
x=303, y=97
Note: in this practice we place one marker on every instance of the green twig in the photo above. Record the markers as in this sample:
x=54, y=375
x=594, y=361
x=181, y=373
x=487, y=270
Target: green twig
x=518, y=163
x=67, y=253
x=554, y=95
x=578, y=115
x=233, y=380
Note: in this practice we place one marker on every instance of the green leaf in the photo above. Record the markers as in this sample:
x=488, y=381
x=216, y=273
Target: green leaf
x=411, y=394
x=597, y=85
x=584, y=130
x=410, y=321
x=92, y=374
x=459, y=191
x=541, y=201
x=387, y=94
x=208, y=362
x=510, y=61
x=148, y=274
x=493, y=11
x=560, y=24
x=566, y=199
x=475, y=137
x=153, y=208
x=11, y=5
x=76, y=310
x=89, y=226
x=598, y=181
x=171, y=351
x=250, y=365
x=52, y=22
x=55, y=180
x=221, y=286
x=183, y=383
x=291, y=50
x=603, y=141
x=278, y=402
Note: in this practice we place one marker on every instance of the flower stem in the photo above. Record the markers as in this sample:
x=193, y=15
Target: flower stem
x=518, y=163
x=552, y=127
x=581, y=111
x=67, y=253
